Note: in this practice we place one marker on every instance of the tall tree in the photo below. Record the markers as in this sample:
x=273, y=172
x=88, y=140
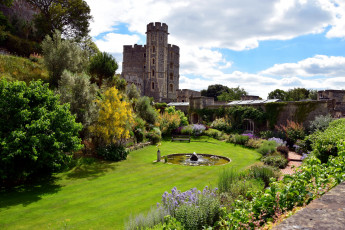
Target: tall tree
x=277, y=94
x=71, y=17
x=232, y=94
x=103, y=65
x=214, y=91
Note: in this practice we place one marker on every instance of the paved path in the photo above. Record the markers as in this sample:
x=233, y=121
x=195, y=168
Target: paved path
x=325, y=213
x=295, y=160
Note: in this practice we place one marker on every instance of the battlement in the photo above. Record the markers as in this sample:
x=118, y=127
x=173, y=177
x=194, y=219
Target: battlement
x=136, y=47
x=174, y=48
x=157, y=26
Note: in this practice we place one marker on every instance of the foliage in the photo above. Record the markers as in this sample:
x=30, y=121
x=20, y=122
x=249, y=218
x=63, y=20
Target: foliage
x=254, y=143
x=273, y=110
x=77, y=90
x=36, y=131
x=293, y=131
x=304, y=108
x=103, y=66
x=183, y=118
x=213, y=133
x=264, y=173
x=146, y=111
x=21, y=69
x=279, y=141
x=238, y=114
x=187, y=130
x=154, y=217
x=320, y=123
x=277, y=94
x=138, y=129
x=133, y=93
x=238, y=139
x=266, y=134
x=267, y=147
x=19, y=46
x=168, y=122
x=60, y=55
x=309, y=182
x=198, y=129
x=220, y=124
x=160, y=106
x=214, y=91
x=169, y=223
x=295, y=94
x=324, y=143
x=115, y=119
x=192, y=208
x=155, y=135
x=112, y=152
x=283, y=150
x=72, y=17
x=276, y=160
x=232, y=94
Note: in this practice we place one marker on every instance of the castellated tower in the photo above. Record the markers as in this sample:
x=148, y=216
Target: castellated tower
x=153, y=68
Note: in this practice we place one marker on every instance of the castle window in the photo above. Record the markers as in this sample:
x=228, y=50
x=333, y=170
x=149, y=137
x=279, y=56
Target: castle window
x=145, y=55
x=171, y=65
x=153, y=49
x=153, y=73
x=153, y=61
x=171, y=55
x=153, y=37
x=152, y=85
x=171, y=87
x=171, y=76
x=144, y=66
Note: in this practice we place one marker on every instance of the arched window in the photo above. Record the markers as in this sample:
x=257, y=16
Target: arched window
x=153, y=61
x=144, y=66
x=171, y=65
x=153, y=73
x=171, y=76
x=171, y=87
x=153, y=49
x=152, y=85
x=145, y=55
x=171, y=55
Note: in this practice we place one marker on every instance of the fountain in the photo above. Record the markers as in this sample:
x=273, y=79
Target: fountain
x=194, y=159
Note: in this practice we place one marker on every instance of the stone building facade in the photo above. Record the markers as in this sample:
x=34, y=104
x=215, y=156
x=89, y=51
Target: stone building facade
x=183, y=95
x=154, y=67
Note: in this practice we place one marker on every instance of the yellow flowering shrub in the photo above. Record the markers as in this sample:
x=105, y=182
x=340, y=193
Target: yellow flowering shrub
x=115, y=118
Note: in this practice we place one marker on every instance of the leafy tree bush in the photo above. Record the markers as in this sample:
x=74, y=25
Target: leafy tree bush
x=103, y=65
x=264, y=173
x=324, y=144
x=114, y=121
x=220, y=124
x=113, y=152
x=213, y=133
x=168, y=122
x=183, y=118
x=254, y=143
x=133, y=93
x=238, y=139
x=155, y=135
x=283, y=150
x=277, y=160
x=146, y=111
x=36, y=131
x=267, y=147
x=232, y=94
x=187, y=130
x=320, y=123
x=77, y=90
x=60, y=55
x=293, y=131
x=139, y=129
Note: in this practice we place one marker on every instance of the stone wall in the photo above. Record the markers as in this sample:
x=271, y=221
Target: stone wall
x=183, y=95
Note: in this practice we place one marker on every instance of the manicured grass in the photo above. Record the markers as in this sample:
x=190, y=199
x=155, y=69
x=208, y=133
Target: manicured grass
x=103, y=195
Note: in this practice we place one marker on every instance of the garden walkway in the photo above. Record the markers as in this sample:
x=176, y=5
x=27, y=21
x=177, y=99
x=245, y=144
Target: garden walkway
x=295, y=160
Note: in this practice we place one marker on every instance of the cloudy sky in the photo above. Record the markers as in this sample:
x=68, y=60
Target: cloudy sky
x=259, y=45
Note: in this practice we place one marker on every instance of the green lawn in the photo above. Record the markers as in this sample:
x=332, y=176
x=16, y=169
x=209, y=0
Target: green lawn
x=103, y=195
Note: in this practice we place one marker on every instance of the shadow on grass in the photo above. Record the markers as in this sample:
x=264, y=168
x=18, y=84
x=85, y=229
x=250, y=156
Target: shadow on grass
x=28, y=193
x=90, y=171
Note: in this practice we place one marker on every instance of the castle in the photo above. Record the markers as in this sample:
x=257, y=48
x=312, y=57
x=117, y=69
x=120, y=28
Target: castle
x=154, y=67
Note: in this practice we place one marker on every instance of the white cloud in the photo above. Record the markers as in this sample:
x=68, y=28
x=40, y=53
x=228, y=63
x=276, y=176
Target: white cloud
x=319, y=65
x=113, y=43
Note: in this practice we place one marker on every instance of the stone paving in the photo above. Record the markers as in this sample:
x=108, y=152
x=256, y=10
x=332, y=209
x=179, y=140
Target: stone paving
x=295, y=160
x=325, y=213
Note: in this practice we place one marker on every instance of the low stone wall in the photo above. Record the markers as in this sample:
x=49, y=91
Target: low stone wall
x=138, y=146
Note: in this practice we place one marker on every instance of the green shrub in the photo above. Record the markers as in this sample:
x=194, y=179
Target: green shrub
x=267, y=134
x=227, y=179
x=293, y=131
x=267, y=147
x=21, y=47
x=220, y=124
x=238, y=139
x=113, y=152
x=169, y=223
x=320, y=123
x=324, y=144
x=213, y=133
x=254, y=143
x=264, y=173
x=277, y=160
x=146, y=111
x=187, y=130
x=154, y=135
x=283, y=150
x=153, y=217
x=36, y=131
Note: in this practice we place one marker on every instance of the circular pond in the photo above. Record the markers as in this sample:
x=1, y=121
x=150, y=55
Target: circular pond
x=199, y=159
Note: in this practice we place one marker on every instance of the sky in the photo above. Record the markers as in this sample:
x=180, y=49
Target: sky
x=259, y=45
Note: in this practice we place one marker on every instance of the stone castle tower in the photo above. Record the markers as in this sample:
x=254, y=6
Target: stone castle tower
x=154, y=67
